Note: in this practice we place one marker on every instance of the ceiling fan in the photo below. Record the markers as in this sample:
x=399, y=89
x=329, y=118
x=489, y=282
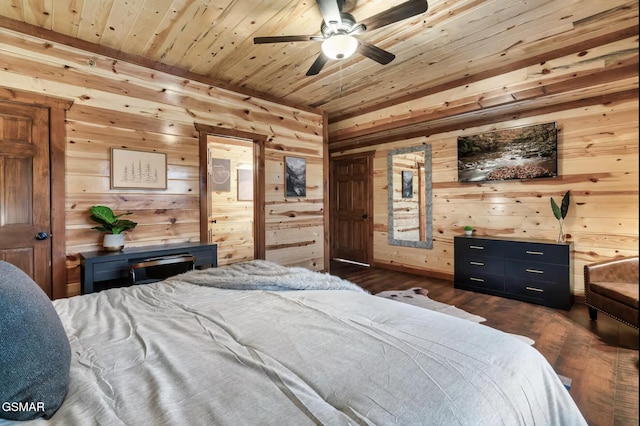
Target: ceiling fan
x=339, y=30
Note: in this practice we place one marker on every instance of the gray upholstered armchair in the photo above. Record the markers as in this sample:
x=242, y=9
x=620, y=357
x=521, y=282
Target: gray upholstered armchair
x=612, y=287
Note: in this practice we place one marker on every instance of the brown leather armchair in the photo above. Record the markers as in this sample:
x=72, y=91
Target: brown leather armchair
x=612, y=287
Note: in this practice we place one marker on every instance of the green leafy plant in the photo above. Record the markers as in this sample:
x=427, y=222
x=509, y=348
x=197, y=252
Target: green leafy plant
x=110, y=223
x=560, y=212
x=468, y=228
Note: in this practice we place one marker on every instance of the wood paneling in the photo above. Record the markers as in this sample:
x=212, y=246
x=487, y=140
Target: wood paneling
x=118, y=104
x=604, y=73
x=597, y=163
x=455, y=43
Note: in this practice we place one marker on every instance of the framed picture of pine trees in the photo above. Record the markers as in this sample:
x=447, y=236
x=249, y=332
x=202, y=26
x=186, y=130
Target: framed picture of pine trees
x=132, y=169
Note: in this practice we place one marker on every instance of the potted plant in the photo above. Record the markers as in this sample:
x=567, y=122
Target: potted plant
x=468, y=230
x=112, y=226
x=560, y=213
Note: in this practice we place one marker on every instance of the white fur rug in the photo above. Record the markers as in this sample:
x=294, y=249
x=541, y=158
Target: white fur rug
x=419, y=297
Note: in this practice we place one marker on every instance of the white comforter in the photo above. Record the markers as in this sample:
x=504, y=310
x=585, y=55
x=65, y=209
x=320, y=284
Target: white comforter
x=176, y=353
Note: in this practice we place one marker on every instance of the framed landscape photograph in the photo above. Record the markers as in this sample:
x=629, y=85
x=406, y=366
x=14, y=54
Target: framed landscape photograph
x=295, y=171
x=131, y=169
x=526, y=152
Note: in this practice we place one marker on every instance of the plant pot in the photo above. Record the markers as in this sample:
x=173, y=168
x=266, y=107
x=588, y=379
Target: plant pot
x=113, y=242
x=468, y=233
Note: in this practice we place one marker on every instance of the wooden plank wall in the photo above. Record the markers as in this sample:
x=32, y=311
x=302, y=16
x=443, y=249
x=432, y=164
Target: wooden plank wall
x=598, y=164
x=117, y=104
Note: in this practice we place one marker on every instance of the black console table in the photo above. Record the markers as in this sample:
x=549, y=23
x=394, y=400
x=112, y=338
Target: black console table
x=107, y=269
x=533, y=271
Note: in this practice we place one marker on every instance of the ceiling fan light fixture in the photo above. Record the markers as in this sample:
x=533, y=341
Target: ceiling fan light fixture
x=340, y=46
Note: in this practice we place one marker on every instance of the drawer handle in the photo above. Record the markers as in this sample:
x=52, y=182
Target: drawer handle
x=480, y=280
x=476, y=247
x=539, y=253
x=477, y=263
x=539, y=290
x=534, y=271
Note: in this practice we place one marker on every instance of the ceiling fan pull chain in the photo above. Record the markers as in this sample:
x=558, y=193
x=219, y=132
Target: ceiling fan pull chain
x=340, y=92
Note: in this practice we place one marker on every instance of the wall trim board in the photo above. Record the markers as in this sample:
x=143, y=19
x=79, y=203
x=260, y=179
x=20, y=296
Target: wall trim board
x=566, y=50
x=414, y=271
x=513, y=100
x=471, y=120
x=325, y=191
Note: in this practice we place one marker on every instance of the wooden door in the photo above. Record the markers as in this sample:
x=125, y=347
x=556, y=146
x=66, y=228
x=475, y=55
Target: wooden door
x=25, y=212
x=351, y=208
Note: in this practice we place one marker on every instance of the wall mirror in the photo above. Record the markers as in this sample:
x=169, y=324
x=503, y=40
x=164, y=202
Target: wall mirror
x=409, y=208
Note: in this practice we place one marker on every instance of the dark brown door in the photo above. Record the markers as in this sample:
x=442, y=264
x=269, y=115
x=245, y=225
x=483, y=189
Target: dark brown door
x=351, y=208
x=25, y=222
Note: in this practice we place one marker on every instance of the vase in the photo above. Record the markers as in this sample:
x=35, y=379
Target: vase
x=113, y=242
x=468, y=233
x=561, y=236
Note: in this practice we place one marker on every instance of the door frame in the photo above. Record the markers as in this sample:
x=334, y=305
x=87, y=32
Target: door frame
x=259, y=141
x=369, y=156
x=57, y=170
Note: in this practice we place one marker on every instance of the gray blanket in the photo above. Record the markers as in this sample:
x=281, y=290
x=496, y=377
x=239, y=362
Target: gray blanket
x=265, y=275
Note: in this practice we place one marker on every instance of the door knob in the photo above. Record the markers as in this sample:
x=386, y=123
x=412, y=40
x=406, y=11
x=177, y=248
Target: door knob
x=42, y=236
x=364, y=216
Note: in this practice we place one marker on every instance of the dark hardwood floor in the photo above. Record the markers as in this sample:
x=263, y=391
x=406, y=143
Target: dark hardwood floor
x=601, y=357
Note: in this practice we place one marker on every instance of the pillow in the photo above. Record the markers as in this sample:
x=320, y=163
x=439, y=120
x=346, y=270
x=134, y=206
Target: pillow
x=35, y=354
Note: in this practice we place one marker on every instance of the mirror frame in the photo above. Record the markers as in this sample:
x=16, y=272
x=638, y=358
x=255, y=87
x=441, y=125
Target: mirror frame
x=427, y=198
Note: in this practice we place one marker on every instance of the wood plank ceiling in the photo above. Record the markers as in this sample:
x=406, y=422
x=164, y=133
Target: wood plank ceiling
x=455, y=42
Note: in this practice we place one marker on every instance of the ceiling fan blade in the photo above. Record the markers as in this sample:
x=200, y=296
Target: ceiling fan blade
x=395, y=14
x=318, y=64
x=373, y=52
x=347, y=5
x=330, y=12
x=285, y=39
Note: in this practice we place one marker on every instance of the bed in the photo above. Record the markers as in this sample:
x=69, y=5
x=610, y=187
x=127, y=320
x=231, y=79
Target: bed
x=256, y=343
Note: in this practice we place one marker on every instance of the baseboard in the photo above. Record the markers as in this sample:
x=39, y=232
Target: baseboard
x=414, y=271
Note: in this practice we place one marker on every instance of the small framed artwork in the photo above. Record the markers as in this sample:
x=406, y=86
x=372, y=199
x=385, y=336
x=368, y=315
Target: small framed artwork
x=221, y=174
x=295, y=172
x=407, y=184
x=132, y=169
x=245, y=185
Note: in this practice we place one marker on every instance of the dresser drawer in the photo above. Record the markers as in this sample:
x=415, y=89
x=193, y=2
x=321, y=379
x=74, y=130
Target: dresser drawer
x=547, y=293
x=472, y=247
x=536, y=271
x=537, y=252
x=474, y=264
x=479, y=280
